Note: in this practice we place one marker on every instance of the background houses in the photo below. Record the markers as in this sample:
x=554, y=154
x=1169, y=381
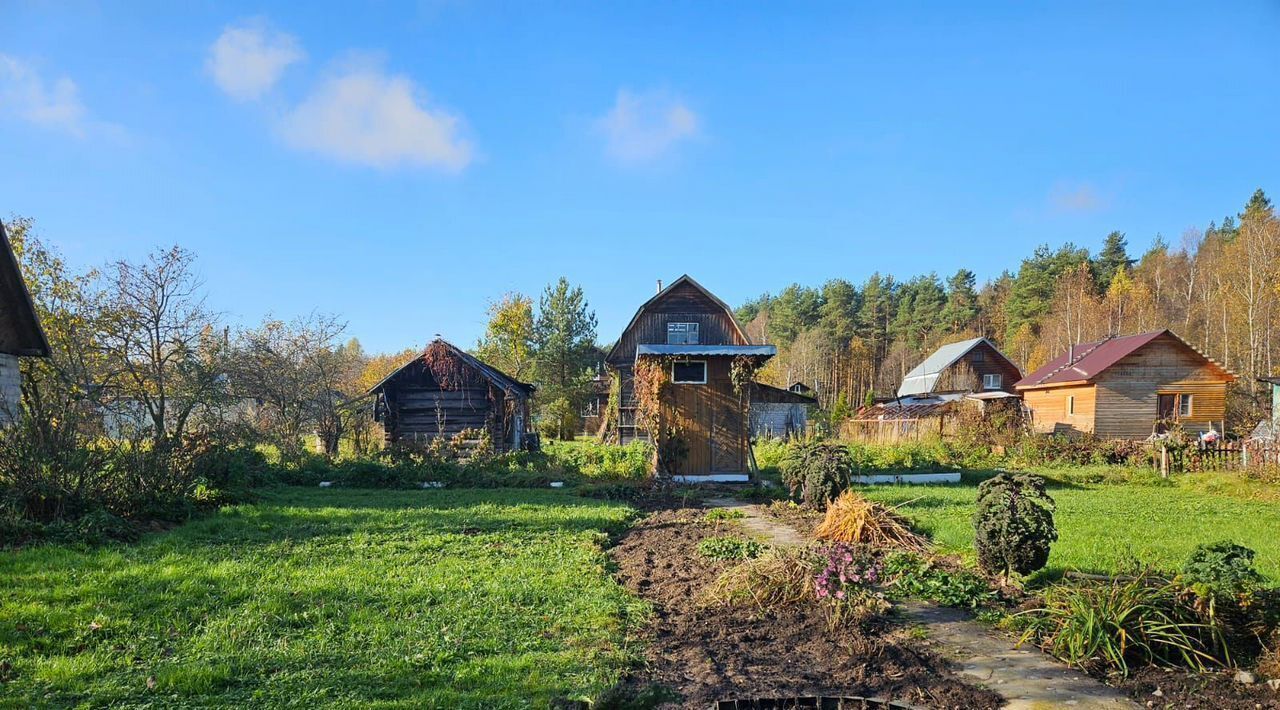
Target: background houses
x=20, y=331
x=1127, y=388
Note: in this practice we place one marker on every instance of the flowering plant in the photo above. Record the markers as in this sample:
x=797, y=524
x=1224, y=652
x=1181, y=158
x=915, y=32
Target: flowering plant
x=847, y=581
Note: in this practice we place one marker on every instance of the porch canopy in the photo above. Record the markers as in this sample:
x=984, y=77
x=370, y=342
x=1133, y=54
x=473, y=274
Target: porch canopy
x=707, y=350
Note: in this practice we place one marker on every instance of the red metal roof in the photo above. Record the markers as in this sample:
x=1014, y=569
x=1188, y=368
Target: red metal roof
x=1088, y=360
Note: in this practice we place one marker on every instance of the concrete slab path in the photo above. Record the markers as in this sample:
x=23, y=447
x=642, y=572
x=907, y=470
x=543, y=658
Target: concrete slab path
x=1026, y=678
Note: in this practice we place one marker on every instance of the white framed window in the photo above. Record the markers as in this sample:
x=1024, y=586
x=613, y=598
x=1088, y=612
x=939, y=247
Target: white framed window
x=689, y=372
x=992, y=382
x=1184, y=405
x=682, y=334
x=1071, y=404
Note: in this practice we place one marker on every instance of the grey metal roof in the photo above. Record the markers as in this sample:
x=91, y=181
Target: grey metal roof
x=924, y=376
x=756, y=350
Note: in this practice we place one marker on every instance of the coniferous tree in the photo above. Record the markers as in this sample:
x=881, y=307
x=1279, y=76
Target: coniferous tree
x=564, y=336
x=1113, y=257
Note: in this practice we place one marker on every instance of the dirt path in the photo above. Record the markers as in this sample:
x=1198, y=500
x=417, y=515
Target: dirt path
x=1026, y=678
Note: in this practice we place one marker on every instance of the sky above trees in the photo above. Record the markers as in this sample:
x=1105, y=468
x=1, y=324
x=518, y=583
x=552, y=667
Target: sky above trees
x=407, y=164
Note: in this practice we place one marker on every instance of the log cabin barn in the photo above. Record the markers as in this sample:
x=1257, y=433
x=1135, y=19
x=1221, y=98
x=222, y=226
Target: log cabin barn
x=445, y=392
x=20, y=331
x=1127, y=387
x=704, y=421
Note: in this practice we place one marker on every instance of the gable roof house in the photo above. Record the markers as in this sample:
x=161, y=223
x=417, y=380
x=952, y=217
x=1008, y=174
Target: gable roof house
x=447, y=391
x=20, y=331
x=1127, y=387
x=704, y=424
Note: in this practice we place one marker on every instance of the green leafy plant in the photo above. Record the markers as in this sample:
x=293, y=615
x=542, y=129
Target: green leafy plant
x=727, y=547
x=1013, y=524
x=1221, y=570
x=914, y=575
x=816, y=473
x=717, y=515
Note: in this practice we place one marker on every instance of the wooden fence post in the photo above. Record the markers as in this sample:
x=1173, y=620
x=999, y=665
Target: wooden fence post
x=1164, y=462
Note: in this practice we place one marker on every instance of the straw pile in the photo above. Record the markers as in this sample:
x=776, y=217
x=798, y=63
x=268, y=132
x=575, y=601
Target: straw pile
x=853, y=519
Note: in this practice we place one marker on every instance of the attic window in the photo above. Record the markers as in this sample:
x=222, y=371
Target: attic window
x=682, y=334
x=979, y=355
x=692, y=372
x=991, y=382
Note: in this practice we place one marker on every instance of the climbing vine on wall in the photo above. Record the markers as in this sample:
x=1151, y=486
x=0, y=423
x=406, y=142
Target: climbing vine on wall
x=742, y=373
x=650, y=381
x=447, y=369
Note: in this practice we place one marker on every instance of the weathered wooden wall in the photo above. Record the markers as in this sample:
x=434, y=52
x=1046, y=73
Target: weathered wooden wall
x=683, y=304
x=965, y=374
x=712, y=420
x=419, y=410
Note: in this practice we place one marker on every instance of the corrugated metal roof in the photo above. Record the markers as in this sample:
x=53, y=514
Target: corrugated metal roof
x=750, y=350
x=911, y=408
x=1086, y=361
x=924, y=376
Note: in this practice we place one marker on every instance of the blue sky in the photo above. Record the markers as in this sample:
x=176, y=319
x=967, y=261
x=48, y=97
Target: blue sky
x=404, y=164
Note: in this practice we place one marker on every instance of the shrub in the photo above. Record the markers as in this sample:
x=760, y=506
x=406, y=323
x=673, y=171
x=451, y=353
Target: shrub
x=852, y=518
x=913, y=575
x=727, y=547
x=770, y=453
x=1221, y=571
x=594, y=460
x=816, y=473
x=1115, y=626
x=1013, y=524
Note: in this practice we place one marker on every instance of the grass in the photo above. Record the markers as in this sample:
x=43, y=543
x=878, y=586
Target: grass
x=1107, y=526
x=339, y=598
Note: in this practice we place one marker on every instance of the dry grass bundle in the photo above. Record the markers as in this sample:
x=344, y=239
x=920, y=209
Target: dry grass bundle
x=853, y=519
x=779, y=577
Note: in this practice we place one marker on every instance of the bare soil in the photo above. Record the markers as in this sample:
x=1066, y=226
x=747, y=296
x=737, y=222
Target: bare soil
x=1180, y=689
x=714, y=653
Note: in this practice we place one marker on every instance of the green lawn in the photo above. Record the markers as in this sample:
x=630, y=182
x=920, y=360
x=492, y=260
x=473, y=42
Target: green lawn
x=327, y=597
x=1103, y=527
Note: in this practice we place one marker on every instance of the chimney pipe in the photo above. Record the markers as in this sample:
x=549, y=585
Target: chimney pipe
x=659, y=286
x=1071, y=353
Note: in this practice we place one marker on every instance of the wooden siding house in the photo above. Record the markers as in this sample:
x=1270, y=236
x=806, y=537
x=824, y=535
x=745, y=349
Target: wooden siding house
x=703, y=421
x=1127, y=387
x=20, y=331
x=965, y=367
x=445, y=392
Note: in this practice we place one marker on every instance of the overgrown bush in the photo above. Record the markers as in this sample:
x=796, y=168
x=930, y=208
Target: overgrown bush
x=594, y=460
x=816, y=473
x=1013, y=524
x=1229, y=595
x=770, y=453
x=1221, y=571
x=728, y=547
x=1118, y=625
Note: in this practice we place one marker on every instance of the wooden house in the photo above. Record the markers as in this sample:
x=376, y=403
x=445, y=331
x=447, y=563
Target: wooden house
x=778, y=413
x=691, y=339
x=20, y=331
x=1127, y=388
x=965, y=367
x=445, y=392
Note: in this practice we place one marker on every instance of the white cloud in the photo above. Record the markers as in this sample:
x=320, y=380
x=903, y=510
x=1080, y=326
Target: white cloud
x=365, y=116
x=25, y=94
x=643, y=127
x=247, y=60
x=1075, y=198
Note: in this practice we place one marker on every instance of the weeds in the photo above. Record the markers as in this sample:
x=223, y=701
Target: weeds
x=727, y=547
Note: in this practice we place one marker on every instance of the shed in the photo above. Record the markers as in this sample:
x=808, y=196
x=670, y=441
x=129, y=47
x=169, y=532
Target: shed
x=20, y=331
x=691, y=339
x=445, y=392
x=778, y=413
x=1127, y=387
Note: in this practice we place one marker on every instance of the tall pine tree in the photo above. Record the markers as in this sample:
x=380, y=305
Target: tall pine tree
x=564, y=335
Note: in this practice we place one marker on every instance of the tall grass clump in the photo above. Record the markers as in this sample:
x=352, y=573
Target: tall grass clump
x=853, y=519
x=1115, y=626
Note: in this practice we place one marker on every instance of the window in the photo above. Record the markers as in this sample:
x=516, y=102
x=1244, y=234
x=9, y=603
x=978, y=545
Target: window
x=1184, y=405
x=682, y=334
x=978, y=356
x=991, y=382
x=1071, y=404
x=693, y=372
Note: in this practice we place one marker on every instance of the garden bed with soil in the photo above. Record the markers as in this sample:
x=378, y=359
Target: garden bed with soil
x=1180, y=689
x=713, y=653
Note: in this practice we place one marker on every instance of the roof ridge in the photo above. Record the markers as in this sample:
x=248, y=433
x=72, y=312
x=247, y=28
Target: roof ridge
x=1073, y=358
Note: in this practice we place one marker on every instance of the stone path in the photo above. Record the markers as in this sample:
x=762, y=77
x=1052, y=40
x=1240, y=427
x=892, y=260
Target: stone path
x=1026, y=678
